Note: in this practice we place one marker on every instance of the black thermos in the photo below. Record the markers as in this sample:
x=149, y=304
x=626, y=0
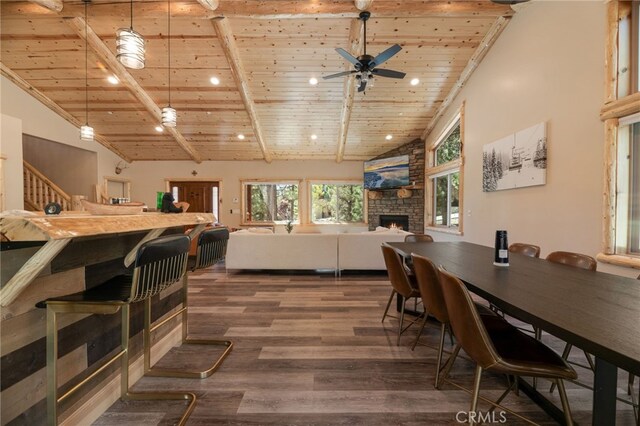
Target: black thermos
x=501, y=257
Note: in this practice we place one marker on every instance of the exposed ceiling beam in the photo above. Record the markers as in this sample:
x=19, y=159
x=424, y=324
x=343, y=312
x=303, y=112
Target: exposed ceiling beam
x=355, y=45
x=102, y=51
x=209, y=4
x=489, y=39
x=24, y=85
x=228, y=44
x=363, y=4
x=289, y=9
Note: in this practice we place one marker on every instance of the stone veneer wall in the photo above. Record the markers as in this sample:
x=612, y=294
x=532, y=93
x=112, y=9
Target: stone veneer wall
x=390, y=203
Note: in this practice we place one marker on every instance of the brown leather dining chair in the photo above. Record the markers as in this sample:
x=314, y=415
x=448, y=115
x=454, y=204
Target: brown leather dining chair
x=525, y=249
x=401, y=284
x=581, y=261
x=418, y=238
x=507, y=351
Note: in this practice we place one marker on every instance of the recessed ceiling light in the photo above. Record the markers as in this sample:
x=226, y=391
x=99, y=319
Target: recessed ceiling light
x=313, y=81
x=314, y=137
x=415, y=81
x=241, y=136
x=113, y=79
x=208, y=112
x=159, y=129
x=215, y=81
x=388, y=137
x=110, y=112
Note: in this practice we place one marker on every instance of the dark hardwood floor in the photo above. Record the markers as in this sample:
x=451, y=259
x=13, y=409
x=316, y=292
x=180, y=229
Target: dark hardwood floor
x=309, y=349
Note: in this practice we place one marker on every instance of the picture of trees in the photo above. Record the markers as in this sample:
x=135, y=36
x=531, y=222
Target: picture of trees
x=516, y=161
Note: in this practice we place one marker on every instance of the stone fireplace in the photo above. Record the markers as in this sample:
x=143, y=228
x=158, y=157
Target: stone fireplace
x=395, y=221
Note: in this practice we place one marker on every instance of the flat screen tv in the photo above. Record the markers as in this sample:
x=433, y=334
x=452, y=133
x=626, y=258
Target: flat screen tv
x=392, y=172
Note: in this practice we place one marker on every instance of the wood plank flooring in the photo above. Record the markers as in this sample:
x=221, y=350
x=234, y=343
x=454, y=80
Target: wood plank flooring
x=309, y=349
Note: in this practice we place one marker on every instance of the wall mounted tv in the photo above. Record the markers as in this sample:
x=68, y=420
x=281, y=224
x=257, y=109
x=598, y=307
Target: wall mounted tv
x=385, y=173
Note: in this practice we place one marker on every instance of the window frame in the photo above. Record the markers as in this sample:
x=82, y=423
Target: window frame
x=243, y=199
x=432, y=172
x=365, y=204
x=615, y=112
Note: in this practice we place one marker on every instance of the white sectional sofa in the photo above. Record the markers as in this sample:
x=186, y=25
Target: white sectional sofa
x=261, y=250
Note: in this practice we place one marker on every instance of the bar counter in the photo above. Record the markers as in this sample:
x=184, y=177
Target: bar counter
x=46, y=256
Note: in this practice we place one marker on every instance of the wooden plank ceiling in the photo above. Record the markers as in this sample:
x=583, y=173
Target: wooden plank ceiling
x=263, y=53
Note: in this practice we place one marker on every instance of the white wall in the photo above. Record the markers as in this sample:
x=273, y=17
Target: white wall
x=11, y=131
x=149, y=177
x=38, y=120
x=548, y=65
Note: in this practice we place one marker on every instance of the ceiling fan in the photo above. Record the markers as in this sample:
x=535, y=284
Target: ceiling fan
x=365, y=65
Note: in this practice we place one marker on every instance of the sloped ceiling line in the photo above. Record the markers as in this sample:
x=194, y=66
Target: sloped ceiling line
x=24, y=85
x=103, y=52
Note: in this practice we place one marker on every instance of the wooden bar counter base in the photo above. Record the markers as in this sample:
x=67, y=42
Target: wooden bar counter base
x=45, y=256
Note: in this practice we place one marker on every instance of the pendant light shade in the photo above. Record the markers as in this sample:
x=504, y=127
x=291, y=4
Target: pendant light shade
x=169, y=117
x=169, y=114
x=130, y=46
x=86, y=133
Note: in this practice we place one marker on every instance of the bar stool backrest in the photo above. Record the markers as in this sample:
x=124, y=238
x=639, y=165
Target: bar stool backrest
x=160, y=263
x=576, y=260
x=397, y=273
x=466, y=323
x=212, y=247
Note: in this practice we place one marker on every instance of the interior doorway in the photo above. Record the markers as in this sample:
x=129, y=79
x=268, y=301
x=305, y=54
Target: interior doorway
x=202, y=196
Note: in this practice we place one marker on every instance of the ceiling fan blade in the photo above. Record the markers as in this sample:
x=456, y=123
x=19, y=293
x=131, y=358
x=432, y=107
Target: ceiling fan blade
x=388, y=73
x=340, y=74
x=348, y=56
x=385, y=56
x=363, y=85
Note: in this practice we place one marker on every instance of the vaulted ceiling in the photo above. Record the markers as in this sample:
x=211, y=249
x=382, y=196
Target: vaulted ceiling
x=264, y=53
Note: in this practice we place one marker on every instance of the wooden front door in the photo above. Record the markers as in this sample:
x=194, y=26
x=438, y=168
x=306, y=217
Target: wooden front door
x=202, y=196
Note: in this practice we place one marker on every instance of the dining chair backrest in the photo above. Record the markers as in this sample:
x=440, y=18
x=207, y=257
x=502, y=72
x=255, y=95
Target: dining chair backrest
x=465, y=321
x=397, y=272
x=159, y=263
x=576, y=260
x=525, y=249
x=428, y=278
x=418, y=238
x=212, y=247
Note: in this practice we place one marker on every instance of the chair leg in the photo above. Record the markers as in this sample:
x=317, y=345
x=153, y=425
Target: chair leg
x=424, y=322
x=393, y=292
x=565, y=402
x=476, y=394
x=589, y=360
x=187, y=374
x=52, y=360
x=565, y=356
x=400, y=325
x=448, y=365
x=440, y=349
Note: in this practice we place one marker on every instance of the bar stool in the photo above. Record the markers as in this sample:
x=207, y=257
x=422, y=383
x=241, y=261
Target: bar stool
x=212, y=247
x=159, y=263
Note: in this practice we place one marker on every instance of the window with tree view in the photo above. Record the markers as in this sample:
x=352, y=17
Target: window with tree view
x=337, y=203
x=444, y=175
x=271, y=202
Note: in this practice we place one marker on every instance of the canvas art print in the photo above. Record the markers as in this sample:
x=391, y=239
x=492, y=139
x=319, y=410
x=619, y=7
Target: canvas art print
x=516, y=161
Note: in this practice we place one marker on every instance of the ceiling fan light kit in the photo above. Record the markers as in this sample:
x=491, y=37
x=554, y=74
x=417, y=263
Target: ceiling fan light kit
x=130, y=46
x=365, y=65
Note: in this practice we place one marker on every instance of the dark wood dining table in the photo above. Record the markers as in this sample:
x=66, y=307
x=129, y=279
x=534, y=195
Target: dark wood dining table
x=594, y=311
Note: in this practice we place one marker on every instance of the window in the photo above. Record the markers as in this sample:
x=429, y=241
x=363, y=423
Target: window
x=444, y=178
x=337, y=203
x=627, y=237
x=268, y=202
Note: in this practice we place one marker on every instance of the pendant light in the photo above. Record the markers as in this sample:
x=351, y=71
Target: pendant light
x=130, y=46
x=169, y=115
x=86, y=131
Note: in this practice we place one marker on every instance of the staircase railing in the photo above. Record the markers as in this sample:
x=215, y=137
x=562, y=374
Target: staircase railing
x=40, y=191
